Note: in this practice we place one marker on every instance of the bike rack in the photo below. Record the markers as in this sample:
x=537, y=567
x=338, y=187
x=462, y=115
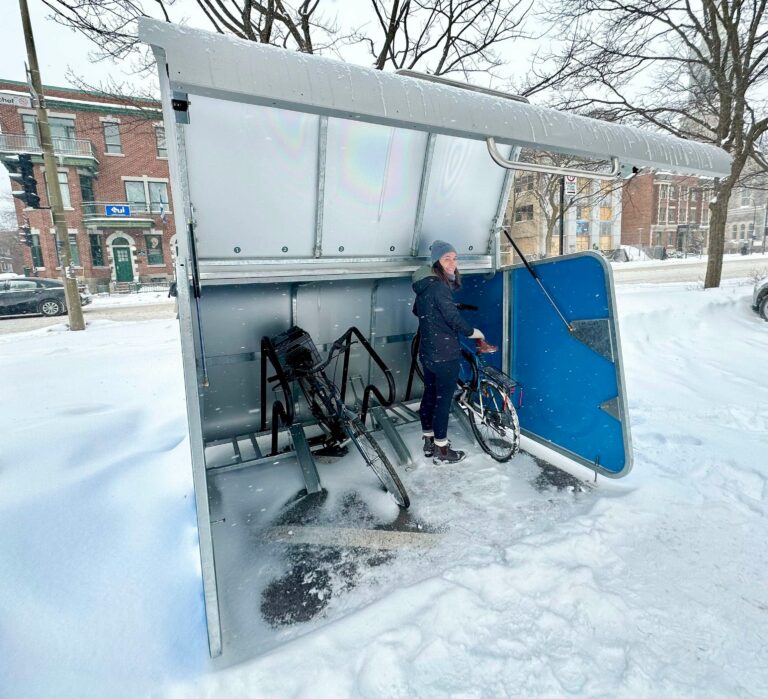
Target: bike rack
x=283, y=415
x=370, y=388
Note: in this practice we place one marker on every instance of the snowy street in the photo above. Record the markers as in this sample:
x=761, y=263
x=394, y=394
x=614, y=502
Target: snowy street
x=649, y=586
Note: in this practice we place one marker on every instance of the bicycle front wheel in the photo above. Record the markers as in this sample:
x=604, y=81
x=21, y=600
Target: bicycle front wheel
x=494, y=421
x=378, y=461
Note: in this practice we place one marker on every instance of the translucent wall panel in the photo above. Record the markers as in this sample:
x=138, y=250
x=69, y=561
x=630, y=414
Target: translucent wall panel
x=253, y=178
x=464, y=190
x=372, y=183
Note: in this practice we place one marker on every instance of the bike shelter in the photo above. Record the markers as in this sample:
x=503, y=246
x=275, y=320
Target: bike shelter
x=307, y=191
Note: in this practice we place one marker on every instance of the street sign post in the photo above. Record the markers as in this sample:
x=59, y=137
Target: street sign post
x=117, y=210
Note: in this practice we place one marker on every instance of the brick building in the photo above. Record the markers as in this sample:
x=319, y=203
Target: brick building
x=661, y=209
x=109, y=154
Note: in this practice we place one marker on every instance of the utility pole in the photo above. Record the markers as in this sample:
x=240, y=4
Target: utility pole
x=71, y=294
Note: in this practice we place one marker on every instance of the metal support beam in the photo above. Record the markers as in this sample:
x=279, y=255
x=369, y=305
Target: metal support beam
x=305, y=459
x=506, y=322
x=390, y=432
x=322, y=147
x=423, y=188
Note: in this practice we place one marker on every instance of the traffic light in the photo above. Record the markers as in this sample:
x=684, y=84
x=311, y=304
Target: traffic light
x=26, y=235
x=24, y=173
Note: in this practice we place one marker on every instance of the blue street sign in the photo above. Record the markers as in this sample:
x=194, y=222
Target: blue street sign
x=117, y=210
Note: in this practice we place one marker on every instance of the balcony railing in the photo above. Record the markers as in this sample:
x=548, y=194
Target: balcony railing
x=111, y=209
x=23, y=143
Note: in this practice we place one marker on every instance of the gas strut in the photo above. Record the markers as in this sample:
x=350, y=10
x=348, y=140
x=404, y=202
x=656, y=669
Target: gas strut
x=535, y=275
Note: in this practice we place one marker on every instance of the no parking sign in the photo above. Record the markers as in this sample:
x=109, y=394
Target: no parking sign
x=570, y=185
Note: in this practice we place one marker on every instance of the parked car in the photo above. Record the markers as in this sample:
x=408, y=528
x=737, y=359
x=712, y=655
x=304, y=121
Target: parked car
x=23, y=295
x=760, y=298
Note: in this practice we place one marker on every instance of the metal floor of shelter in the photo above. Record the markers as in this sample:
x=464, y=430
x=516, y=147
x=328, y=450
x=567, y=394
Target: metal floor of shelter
x=288, y=562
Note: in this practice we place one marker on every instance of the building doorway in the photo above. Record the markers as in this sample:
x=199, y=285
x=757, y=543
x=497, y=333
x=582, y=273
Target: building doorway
x=121, y=253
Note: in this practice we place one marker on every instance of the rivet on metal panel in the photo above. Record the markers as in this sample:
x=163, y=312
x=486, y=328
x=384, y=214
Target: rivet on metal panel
x=391, y=248
x=285, y=249
x=237, y=250
x=471, y=247
x=341, y=248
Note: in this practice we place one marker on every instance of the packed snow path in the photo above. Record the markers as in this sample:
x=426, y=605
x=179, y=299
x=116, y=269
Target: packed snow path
x=650, y=586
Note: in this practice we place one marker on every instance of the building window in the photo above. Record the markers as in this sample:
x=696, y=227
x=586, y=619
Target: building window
x=162, y=150
x=74, y=252
x=606, y=213
x=63, y=186
x=37, y=253
x=582, y=227
x=742, y=231
x=606, y=227
x=87, y=195
x=147, y=195
x=158, y=196
x=61, y=128
x=584, y=213
x=97, y=249
x=524, y=213
x=746, y=198
x=154, y=245
x=112, y=143
x=136, y=195
x=524, y=183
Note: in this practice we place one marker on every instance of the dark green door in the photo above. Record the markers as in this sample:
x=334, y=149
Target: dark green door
x=123, y=267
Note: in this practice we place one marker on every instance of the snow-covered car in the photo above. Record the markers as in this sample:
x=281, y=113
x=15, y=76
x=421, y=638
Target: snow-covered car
x=760, y=298
x=25, y=295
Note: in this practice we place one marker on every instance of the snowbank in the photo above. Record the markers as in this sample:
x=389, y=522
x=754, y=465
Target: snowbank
x=650, y=586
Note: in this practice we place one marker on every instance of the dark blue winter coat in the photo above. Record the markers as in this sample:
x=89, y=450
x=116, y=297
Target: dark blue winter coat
x=440, y=323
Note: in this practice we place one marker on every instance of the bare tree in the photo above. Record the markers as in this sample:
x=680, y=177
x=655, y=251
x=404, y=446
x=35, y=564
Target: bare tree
x=436, y=36
x=446, y=36
x=543, y=190
x=696, y=70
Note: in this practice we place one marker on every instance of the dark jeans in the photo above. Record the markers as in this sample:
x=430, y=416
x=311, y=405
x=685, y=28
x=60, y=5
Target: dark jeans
x=439, y=387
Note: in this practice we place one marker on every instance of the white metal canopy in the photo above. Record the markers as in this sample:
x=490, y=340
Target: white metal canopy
x=210, y=64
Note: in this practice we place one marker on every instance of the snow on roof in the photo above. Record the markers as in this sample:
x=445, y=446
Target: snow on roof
x=220, y=66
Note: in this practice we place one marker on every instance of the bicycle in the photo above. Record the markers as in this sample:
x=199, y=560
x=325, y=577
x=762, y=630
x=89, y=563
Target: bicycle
x=485, y=394
x=301, y=362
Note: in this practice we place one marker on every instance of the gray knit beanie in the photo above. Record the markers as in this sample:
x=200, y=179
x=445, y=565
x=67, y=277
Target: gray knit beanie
x=440, y=248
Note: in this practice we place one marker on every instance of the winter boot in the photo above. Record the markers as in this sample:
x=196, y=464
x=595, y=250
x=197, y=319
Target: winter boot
x=446, y=455
x=429, y=446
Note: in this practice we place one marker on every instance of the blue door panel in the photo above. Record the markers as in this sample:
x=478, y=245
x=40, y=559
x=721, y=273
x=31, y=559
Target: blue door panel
x=572, y=382
x=573, y=393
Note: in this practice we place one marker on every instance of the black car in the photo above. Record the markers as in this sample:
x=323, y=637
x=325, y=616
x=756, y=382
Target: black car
x=22, y=295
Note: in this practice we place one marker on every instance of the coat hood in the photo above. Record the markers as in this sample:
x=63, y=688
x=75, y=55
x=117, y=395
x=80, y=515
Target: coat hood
x=422, y=278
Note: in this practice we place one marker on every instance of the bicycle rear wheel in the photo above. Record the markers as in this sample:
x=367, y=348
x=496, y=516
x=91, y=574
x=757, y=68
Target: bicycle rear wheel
x=378, y=461
x=494, y=421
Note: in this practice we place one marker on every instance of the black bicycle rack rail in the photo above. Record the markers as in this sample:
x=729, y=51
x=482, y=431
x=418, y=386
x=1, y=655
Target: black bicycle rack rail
x=296, y=346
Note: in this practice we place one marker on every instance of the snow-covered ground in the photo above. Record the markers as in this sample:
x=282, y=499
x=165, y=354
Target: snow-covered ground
x=652, y=586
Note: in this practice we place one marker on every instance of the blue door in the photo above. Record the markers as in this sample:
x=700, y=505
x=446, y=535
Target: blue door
x=573, y=381
x=571, y=398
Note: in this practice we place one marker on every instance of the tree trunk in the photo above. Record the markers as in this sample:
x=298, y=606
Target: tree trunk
x=718, y=214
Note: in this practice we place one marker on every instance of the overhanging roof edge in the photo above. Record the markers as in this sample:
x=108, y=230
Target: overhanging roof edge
x=210, y=64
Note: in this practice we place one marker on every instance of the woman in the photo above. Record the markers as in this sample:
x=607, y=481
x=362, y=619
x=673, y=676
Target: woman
x=440, y=326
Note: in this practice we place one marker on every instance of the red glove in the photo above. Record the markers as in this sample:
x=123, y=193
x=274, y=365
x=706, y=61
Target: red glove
x=484, y=348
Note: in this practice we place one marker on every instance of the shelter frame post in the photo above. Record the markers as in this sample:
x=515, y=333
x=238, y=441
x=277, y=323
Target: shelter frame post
x=322, y=149
x=423, y=190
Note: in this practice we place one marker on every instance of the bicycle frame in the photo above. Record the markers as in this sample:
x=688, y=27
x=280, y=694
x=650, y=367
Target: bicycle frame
x=481, y=370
